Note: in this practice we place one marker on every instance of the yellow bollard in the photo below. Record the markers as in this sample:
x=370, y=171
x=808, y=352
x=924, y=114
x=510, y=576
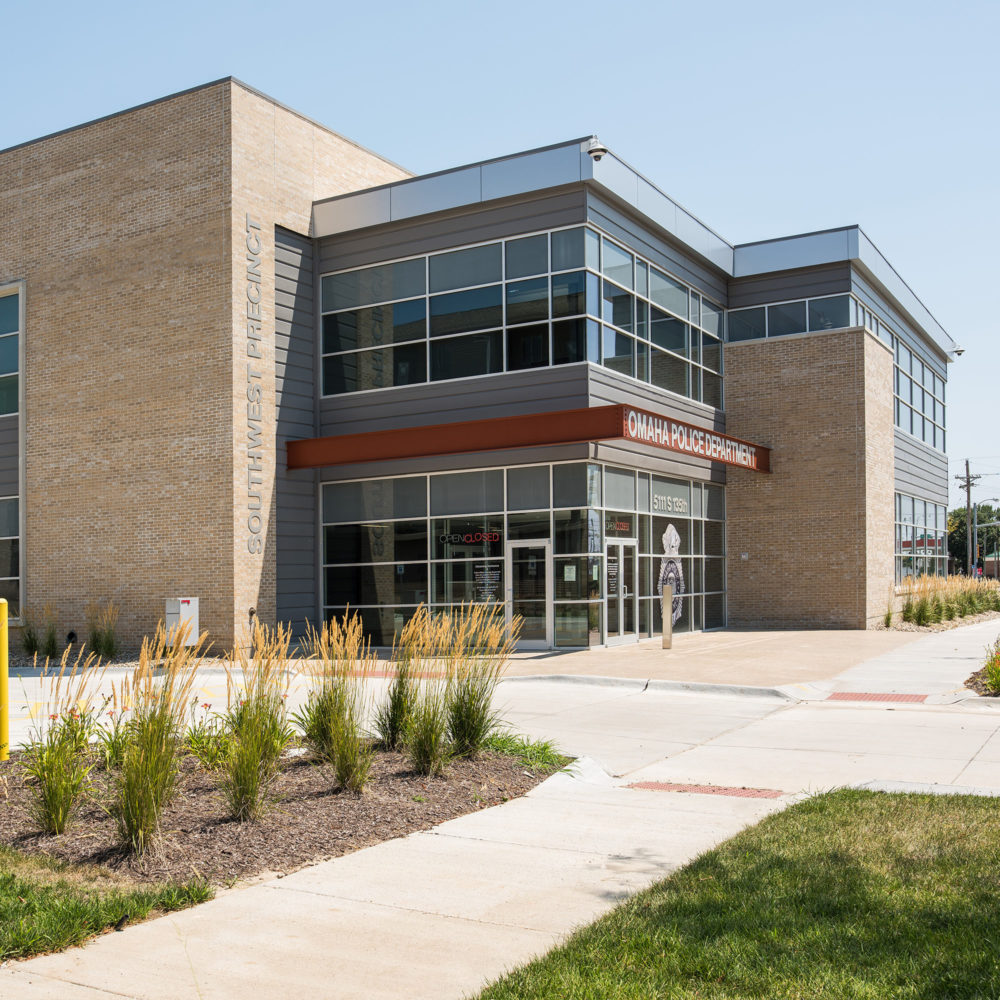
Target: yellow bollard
x=4, y=685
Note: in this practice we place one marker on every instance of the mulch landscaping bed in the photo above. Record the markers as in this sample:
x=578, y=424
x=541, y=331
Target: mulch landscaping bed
x=977, y=683
x=309, y=821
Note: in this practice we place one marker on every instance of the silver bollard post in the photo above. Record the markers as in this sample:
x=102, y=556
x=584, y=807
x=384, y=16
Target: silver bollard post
x=667, y=614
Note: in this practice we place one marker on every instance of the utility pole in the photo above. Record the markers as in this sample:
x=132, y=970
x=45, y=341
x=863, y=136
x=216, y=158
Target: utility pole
x=967, y=480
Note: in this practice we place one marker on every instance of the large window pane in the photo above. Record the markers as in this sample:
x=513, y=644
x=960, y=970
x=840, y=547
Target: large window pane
x=711, y=318
x=669, y=372
x=711, y=352
x=576, y=485
x=528, y=525
x=467, y=537
x=528, y=347
x=9, y=565
x=8, y=518
x=576, y=531
x=387, y=541
x=577, y=578
x=575, y=340
x=711, y=389
x=745, y=324
x=462, y=357
x=460, y=582
x=667, y=292
x=388, y=583
x=9, y=313
x=619, y=352
x=574, y=293
x=459, y=268
x=8, y=354
x=402, y=280
x=528, y=488
x=458, y=312
x=527, y=256
x=667, y=332
x=375, y=499
x=578, y=624
x=786, y=319
x=467, y=492
x=619, y=488
x=830, y=314
x=374, y=327
x=616, y=307
x=569, y=250
x=617, y=264
x=403, y=365
x=528, y=301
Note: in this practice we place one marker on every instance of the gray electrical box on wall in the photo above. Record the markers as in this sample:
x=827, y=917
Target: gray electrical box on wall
x=182, y=613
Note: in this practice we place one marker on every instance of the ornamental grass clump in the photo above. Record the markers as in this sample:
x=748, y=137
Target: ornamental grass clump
x=56, y=758
x=102, y=624
x=393, y=714
x=930, y=599
x=478, y=646
x=158, y=692
x=257, y=724
x=341, y=662
x=427, y=744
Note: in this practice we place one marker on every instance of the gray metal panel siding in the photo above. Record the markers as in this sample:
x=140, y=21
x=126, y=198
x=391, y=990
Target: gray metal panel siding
x=9, y=486
x=508, y=217
x=920, y=471
x=607, y=387
x=455, y=463
x=668, y=255
x=512, y=394
x=885, y=310
x=295, y=365
x=828, y=279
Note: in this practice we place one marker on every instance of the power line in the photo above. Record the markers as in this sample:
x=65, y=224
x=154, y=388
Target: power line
x=966, y=481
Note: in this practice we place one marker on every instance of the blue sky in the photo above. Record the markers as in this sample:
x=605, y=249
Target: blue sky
x=764, y=118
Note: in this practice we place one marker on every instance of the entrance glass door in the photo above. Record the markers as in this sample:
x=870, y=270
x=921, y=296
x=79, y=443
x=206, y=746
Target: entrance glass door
x=620, y=591
x=529, y=589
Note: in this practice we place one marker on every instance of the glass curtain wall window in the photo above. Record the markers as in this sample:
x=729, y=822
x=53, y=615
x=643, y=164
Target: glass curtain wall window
x=392, y=544
x=919, y=391
x=10, y=542
x=921, y=538
x=552, y=298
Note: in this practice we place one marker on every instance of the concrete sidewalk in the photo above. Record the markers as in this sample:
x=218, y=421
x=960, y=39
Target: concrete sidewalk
x=439, y=913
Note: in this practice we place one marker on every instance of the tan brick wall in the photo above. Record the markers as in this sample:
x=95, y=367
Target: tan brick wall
x=281, y=164
x=817, y=531
x=130, y=236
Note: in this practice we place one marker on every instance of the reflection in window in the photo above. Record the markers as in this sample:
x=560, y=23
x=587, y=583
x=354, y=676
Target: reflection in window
x=462, y=357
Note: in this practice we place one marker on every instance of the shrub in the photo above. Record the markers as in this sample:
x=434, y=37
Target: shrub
x=392, y=716
x=936, y=610
x=476, y=656
x=332, y=718
x=207, y=739
x=49, y=643
x=102, y=622
x=949, y=610
x=258, y=727
x=148, y=773
x=30, y=642
x=991, y=675
x=427, y=744
x=908, y=610
x=922, y=612
x=887, y=617
x=112, y=738
x=56, y=755
x=59, y=771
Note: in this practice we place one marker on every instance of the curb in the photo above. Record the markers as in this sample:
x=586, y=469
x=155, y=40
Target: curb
x=925, y=788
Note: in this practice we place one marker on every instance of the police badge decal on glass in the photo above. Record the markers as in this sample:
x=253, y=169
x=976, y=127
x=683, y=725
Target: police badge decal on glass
x=671, y=571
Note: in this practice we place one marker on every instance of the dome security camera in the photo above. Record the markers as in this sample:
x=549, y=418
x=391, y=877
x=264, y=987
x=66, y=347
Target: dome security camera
x=596, y=149
x=959, y=351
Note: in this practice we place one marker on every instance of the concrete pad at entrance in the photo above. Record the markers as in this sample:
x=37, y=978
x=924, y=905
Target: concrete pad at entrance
x=728, y=656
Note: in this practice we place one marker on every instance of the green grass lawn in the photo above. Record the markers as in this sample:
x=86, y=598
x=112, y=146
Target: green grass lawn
x=45, y=906
x=847, y=895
